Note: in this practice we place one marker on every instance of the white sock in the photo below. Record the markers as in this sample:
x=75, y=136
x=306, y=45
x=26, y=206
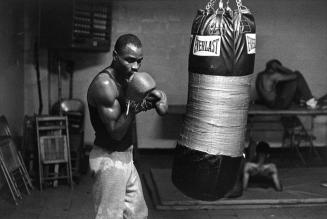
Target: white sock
x=312, y=102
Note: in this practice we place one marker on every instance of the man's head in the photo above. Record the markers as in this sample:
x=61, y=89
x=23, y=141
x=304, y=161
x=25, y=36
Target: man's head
x=271, y=64
x=127, y=55
x=263, y=148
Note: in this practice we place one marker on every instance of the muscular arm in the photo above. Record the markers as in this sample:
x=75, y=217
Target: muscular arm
x=282, y=73
x=271, y=78
x=103, y=95
x=116, y=122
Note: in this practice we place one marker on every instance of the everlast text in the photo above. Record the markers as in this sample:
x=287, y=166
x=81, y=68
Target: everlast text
x=206, y=46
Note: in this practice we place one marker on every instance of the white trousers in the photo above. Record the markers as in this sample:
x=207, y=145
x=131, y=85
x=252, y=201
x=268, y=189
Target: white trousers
x=117, y=189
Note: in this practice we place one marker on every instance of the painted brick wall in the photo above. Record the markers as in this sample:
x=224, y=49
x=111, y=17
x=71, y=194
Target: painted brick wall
x=292, y=31
x=11, y=65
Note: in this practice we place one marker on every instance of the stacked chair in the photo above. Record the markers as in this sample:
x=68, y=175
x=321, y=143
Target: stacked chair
x=74, y=110
x=53, y=150
x=12, y=165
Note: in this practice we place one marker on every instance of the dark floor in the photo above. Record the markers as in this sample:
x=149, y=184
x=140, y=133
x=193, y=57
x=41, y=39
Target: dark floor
x=62, y=202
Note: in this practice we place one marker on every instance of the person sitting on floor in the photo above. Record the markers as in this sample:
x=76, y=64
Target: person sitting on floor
x=261, y=168
x=278, y=87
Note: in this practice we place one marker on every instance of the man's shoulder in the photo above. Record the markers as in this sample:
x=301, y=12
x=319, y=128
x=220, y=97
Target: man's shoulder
x=262, y=72
x=102, y=88
x=267, y=75
x=103, y=81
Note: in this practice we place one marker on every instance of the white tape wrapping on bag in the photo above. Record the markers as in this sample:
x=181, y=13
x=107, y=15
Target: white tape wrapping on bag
x=216, y=116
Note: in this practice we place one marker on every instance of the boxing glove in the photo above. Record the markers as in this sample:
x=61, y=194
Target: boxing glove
x=138, y=87
x=158, y=99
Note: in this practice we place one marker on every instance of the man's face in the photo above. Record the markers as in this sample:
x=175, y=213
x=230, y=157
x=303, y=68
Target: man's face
x=129, y=60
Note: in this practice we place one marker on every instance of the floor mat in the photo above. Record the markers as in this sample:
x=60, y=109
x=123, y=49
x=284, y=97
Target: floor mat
x=301, y=188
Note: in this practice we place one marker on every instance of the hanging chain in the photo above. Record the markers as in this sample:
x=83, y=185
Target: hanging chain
x=221, y=4
x=240, y=6
x=239, y=3
x=210, y=4
x=227, y=6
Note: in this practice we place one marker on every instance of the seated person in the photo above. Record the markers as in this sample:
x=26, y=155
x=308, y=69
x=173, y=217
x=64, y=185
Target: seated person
x=261, y=168
x=278, y=87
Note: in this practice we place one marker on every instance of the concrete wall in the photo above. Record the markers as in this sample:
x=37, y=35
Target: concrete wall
x=11, y=63
x=292, y=31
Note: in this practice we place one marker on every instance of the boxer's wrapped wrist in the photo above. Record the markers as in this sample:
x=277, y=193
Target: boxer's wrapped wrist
x=146, y=104
x=137, y=107
x=143, y=106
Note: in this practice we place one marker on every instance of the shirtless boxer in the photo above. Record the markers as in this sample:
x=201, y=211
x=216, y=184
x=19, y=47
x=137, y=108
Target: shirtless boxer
x=278, y=87
x=114, y=97
x=261, y=167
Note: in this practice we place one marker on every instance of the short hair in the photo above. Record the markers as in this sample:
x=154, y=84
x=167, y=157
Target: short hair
x=125, y=39
x=271, y=62
x=262, y=147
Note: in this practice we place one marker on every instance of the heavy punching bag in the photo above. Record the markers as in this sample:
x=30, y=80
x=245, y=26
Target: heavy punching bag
x=221, y=61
